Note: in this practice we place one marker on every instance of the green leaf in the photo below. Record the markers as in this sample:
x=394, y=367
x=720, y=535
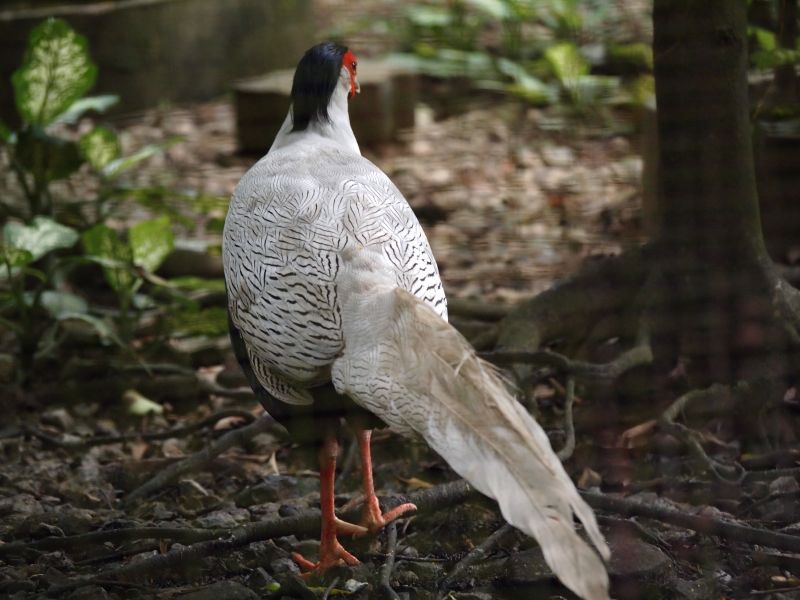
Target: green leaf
x=55, y=72
x=48, y=156
x=104, y=243
x=496, y=9
x=193, y=284
x=5, y=133
x=140, y=406
x=59, y=303
x=151, y=242
x=43, y=235
x=566, y=63
x=122, y=164
x=635, y=56
x=100, y=146
x=428, y=16
x=208, y=322
x=765, y=38
x=526, y=85
x=770, y=59
x=14, y=258
x=83, y=105
x=105, y=330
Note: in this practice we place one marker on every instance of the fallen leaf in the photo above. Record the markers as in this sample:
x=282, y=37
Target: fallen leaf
x=228, y=423
x=139, y=449
x=139, y=405
x=416, y=483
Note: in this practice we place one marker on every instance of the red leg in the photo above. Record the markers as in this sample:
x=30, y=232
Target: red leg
x=331, y=552
x=373, y=519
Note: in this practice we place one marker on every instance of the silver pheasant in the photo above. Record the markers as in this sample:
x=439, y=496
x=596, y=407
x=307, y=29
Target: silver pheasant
x=331, y=280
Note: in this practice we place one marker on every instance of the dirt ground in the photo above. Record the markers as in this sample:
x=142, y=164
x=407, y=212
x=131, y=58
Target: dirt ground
x=513, y=198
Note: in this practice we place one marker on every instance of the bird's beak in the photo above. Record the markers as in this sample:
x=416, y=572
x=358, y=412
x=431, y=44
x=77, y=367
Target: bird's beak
x=358, y=87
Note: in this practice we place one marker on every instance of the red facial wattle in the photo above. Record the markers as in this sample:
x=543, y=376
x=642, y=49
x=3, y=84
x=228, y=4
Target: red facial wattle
x=350, y=62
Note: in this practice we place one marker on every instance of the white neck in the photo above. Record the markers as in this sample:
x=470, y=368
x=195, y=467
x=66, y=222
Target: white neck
x=338, y=129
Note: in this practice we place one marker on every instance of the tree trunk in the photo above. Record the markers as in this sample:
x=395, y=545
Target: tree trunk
x=716, y=264
x=704, y=293
x=786, y=75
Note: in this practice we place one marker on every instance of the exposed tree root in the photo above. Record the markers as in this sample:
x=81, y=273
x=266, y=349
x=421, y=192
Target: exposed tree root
x=741, y=324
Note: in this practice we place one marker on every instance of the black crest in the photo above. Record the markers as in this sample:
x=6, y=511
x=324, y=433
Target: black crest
x=315, y=80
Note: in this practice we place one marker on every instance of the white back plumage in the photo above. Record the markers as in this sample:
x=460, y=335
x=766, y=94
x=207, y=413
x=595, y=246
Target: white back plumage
x=330, y=277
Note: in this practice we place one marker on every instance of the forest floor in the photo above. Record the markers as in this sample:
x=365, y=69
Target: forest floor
x=512, y=198
x=511, y=202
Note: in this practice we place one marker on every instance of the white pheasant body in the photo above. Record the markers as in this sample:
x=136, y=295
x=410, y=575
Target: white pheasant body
x=292, y=217
x=331, y=278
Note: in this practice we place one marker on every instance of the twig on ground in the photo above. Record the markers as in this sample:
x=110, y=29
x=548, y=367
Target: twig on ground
x=237, y=437
x=183, y=535
x=637, y=356
x=486, y=339
x=666, y=423
x=700, y=523
x=569, y=426
x=385, y=585
x=330, y=587
x=477, y=554
x=305, y=524
x=72, y=444
x=475, y=309
x=428, y=500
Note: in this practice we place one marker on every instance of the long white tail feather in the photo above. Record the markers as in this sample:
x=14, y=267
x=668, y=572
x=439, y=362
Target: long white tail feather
x=415, y=371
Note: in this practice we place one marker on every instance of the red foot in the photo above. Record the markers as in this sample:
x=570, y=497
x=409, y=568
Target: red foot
x=373, y=520
x=334, y=556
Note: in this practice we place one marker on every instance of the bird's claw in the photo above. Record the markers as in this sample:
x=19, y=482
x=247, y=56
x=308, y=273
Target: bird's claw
x=374, y=520
x=334, y=556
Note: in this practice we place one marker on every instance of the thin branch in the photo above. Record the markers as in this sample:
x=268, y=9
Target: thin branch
x=569, y=425
x=80, y=444
x=385, y=585
x=637, y=356
x=477, y=554
x=237, y=437
x=183, y=535
x=704, y=524
x=475, y=309
x=666, y=423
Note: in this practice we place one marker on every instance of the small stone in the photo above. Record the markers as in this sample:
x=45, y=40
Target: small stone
x=406, y=577
x=558, y=156
x=425, y=571
x=288, y=510
x=275, y=488
x=58, y=417
x=90, y=592
x=227, y=518
x=222, y=590
x=307, y=548
x=784, y=485
x=280, y=566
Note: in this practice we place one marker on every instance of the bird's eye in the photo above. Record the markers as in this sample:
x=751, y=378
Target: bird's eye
x=354, y=65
